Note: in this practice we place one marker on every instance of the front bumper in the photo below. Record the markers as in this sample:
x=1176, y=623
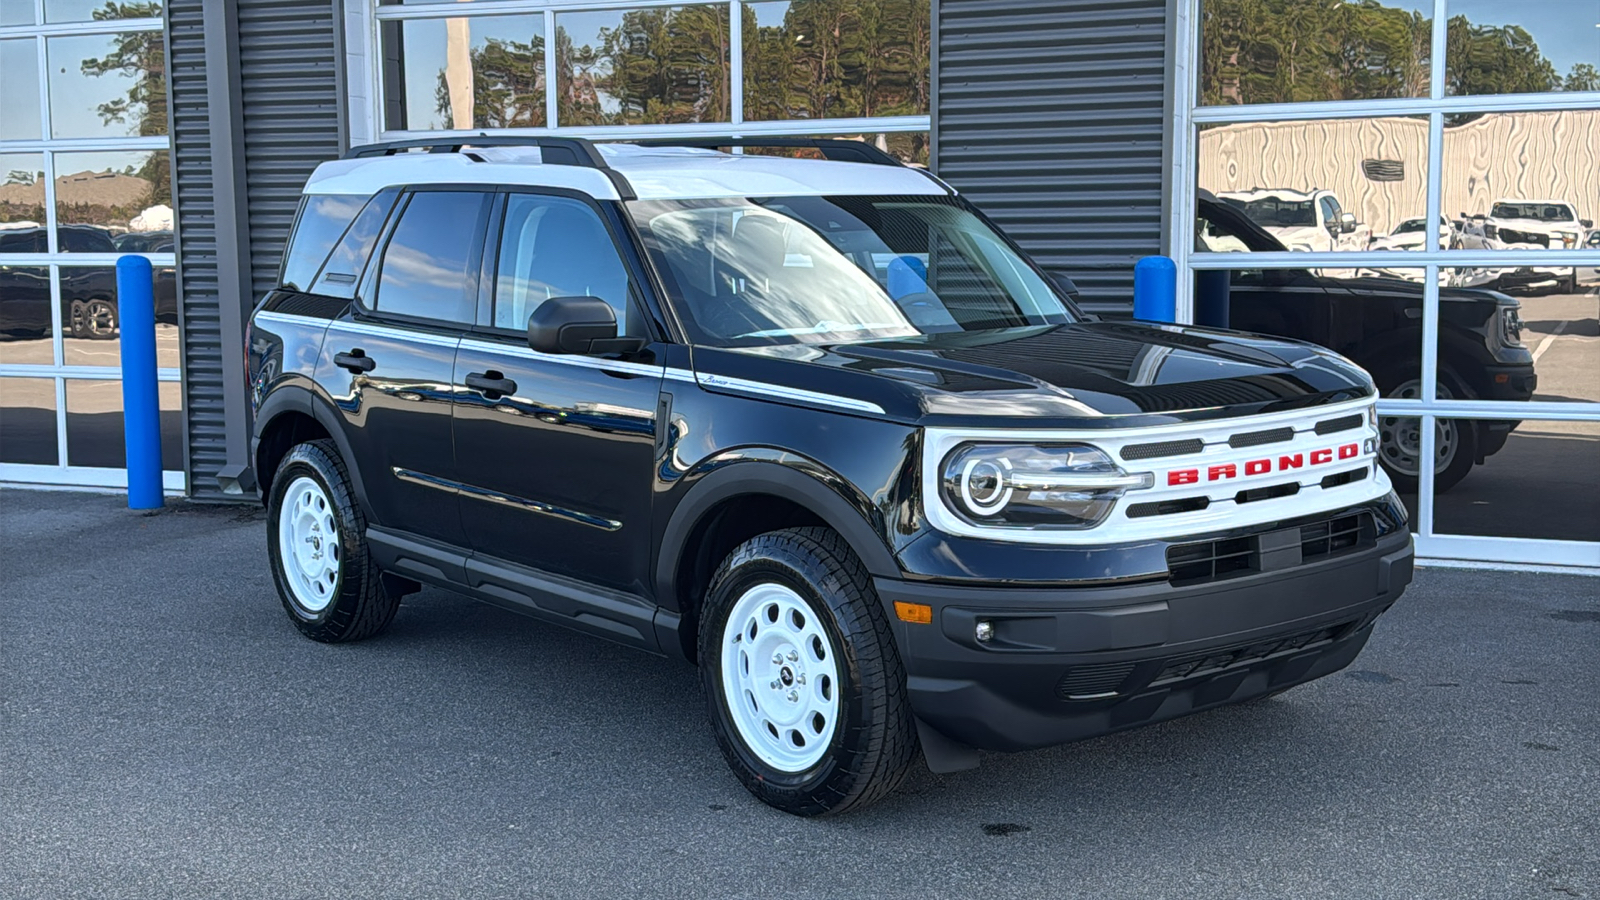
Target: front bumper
x=1067, y=664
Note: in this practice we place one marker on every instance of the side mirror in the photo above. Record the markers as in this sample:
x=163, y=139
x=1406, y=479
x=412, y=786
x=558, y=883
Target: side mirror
x=577, y=325
x=1064, y=284
x=1587, y=223
x=1347, y=222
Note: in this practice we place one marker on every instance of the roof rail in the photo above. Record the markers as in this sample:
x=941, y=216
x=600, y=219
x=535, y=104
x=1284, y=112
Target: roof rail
x=836, y=149
x=556, y=151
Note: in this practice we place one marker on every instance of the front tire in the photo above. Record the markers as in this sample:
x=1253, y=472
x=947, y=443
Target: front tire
x=805, y=686
x=1400, y=437
x=317, y=545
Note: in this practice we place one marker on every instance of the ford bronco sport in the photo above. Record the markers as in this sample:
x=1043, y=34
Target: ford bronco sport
x=815, y=425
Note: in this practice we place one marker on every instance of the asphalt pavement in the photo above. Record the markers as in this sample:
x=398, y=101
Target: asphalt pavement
x=165, y=732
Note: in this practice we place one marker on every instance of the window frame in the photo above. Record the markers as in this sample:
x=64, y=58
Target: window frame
x=364, y=305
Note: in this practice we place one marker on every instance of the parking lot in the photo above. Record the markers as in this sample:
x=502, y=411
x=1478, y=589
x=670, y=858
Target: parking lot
x=164, y=731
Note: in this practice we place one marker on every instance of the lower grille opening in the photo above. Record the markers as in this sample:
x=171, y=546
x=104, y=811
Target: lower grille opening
x=1229, y=557
x=1168, y=507
x=1213, y=661
x=1267, y=493
x=1093, y=682
x=1340, y=479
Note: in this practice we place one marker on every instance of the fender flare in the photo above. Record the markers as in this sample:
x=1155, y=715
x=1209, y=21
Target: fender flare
x=788, y=479
x=298, y=398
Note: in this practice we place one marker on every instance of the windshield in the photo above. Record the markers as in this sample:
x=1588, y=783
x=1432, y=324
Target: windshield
x=1271, y=212
x=786, y=270
x=1411, y=225
x=1543, y=212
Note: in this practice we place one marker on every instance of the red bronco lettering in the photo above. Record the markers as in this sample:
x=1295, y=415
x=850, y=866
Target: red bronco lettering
x=1265, y=466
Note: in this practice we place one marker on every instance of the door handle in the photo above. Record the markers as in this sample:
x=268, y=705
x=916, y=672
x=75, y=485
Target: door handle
x=492, y=384
x=356, y=361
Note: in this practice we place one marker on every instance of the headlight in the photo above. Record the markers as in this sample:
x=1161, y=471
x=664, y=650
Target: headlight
x=1491, y=231
x=1510, y=327
x=1056, y=486
x=1568, y=239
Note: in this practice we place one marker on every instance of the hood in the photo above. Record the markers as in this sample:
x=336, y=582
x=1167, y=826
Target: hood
x=1536, y=225
x=1092, y=373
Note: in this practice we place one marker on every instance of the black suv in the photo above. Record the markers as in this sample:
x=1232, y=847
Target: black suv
x=815, y=425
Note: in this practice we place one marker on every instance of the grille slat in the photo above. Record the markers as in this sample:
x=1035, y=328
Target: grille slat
x=1091, y=681
x=1162, y=449
x=1213, y=661
x=1343, y=423
x=1257, y=438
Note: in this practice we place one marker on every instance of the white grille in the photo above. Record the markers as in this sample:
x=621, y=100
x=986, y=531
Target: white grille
x=1237, y=486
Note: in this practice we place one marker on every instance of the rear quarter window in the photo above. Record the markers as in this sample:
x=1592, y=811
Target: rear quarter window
x=323, y=218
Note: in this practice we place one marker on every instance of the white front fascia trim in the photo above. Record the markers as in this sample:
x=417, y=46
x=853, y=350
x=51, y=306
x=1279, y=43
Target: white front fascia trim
x=1221, y=513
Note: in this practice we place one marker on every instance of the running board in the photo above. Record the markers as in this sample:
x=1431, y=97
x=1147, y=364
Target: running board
x=606, y=613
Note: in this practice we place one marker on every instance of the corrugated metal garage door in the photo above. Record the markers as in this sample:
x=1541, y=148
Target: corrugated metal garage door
x=292, y=117
x=1050, y=119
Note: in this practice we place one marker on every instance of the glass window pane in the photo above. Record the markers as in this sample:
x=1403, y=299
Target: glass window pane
x=17, y=12
x=1540, y=483
x=1494, y=47
x=22, y=218
x=28, y=421
x=1287, y=51
x=818, y=59
x=1524, y=181
x=25, y=328
x=642, y=66
x=1502, y=340
x=107, y=85
x=94, y=424
x=1338, y=184
x=114, y=201
x=19, y=101
x=342, y=273
x=555, y=247
x=99, y=10
x=91, y=318
x=322, y=219
x=482, y=72
x=428, y=263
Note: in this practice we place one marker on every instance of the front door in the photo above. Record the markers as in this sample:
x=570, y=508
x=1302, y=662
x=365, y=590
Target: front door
x=390, y=363
x=556, y=451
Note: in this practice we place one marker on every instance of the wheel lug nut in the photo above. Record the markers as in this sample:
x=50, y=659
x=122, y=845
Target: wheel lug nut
x=777, y=659
x=794, y=696
x=776, y=685
x=793, y=656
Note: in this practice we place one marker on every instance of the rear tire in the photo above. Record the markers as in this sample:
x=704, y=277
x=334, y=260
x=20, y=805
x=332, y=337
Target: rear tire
x=805, y=688
x=317, y=544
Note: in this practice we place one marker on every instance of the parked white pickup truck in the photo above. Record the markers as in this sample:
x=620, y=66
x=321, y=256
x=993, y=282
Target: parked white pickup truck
x=1301, y=220
x=1537, y=225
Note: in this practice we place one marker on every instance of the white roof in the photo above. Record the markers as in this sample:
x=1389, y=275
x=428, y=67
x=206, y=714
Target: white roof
x=656, y=173
x=1277, y=193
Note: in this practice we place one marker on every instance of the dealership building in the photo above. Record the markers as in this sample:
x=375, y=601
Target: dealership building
x=1419, y=181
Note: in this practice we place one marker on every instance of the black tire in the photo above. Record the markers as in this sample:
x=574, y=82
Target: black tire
x=358, y=606
x=1396, y=382
x=874, y=741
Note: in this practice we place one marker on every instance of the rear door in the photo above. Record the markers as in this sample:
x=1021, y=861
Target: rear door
x=558, y=456
x=389, y=362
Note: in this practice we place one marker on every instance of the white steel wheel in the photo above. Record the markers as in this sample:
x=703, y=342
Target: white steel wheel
x=308, y=545
x=780, y=681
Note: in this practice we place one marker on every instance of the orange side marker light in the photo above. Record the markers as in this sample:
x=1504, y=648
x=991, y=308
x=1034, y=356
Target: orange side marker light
x=916, y=613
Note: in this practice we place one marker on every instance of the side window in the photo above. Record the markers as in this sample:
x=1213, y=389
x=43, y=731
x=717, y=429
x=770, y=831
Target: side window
x=555, y=247
x=428, y=266
x=322, y=219
x=343, y=270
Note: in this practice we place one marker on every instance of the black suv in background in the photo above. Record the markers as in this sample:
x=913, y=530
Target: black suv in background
x=1376, y=321
x=815, y=425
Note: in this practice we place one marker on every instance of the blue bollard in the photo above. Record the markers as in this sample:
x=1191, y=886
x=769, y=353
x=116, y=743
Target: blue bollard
x=1155, y=289
x=141, y=406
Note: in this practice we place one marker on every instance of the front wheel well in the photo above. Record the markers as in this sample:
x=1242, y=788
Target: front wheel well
x=277, y=438
x=724, y=527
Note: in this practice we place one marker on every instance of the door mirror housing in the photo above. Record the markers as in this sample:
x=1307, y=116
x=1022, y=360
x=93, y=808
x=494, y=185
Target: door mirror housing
x=583, y=326
x=1064, y=284
x=1587, y=223
x=1347, y=222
